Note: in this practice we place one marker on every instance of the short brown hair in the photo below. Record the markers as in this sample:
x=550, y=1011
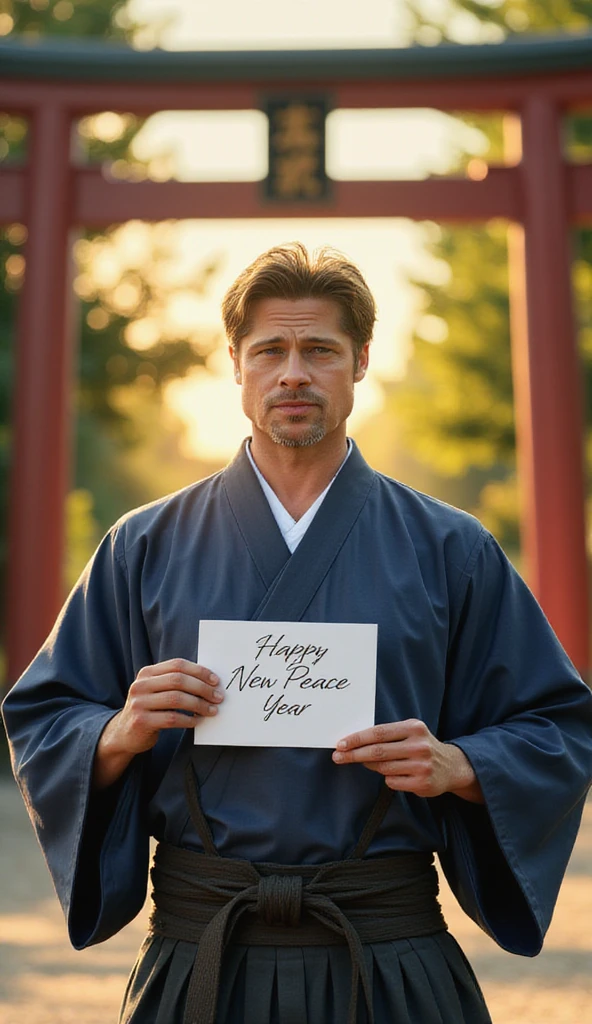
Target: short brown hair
x=289, y=272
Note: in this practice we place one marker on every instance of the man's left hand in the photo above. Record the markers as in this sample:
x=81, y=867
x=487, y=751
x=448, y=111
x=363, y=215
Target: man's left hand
x=412, y=760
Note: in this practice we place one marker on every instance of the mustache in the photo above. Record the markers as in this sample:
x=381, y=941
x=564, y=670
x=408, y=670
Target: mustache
x=302, y=395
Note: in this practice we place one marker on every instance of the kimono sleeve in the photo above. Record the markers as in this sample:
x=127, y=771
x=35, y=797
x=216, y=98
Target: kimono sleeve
x=517, y=708
x=95, y=844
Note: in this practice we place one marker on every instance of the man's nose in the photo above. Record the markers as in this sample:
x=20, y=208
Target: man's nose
x=295, y=372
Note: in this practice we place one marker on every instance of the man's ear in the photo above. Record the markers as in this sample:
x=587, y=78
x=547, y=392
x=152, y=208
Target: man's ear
x=234, y=356
x=363, y=360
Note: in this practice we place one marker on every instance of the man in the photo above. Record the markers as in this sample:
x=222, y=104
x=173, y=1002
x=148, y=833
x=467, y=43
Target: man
x=274, y=864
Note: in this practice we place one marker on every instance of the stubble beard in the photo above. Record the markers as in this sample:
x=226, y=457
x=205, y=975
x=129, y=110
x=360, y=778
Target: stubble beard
x=311, y=433
x=314, y=433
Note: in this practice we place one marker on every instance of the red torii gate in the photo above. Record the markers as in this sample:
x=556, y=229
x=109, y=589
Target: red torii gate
x=53, y=83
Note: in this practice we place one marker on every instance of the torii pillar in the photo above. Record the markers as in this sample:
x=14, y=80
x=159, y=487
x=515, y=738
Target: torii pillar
x=548, y=384
x=44, y=358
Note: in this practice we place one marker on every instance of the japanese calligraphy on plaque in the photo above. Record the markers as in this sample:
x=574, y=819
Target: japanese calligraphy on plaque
x=297, y=150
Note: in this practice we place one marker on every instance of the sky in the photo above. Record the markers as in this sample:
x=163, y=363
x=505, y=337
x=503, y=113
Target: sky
x=232, y=146
x=235, y=24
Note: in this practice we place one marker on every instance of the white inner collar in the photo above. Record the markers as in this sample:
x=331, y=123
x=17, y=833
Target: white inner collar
x=292, y=530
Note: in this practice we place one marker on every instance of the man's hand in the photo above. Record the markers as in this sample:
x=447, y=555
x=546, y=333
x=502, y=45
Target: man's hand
x=170, y=695
x=411, y=760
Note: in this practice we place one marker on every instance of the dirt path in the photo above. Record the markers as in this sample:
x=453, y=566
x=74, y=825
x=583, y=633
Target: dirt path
x=43, y=981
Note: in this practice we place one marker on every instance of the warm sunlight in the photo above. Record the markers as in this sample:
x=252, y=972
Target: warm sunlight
x=231, y=145
x=230, y=24
x=388, y=253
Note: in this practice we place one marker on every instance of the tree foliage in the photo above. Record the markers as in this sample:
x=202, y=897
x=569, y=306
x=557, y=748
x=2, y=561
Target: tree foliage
x=456, y=412
x=98, y=18
x=461, y=20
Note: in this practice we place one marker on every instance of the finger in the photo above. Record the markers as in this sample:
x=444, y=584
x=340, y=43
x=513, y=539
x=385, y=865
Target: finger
x=407, y=777
x=178, y=719
x=176, y=681
x=397, y=751
x=179, y=666
x=177, y=700
x=419, y=785
x=407, y=784
x=399, y=769
x=386, y=732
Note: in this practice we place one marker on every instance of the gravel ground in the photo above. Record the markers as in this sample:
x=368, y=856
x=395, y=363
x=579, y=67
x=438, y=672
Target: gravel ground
x=43, y=981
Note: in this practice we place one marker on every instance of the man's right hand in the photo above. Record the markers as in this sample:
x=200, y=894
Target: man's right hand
x=170, y=695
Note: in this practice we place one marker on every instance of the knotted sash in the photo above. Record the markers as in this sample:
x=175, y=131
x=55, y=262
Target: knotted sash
x=212, y=900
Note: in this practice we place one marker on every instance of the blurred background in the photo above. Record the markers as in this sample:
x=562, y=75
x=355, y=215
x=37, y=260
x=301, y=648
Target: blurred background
x=156, y=406
x=155, y=403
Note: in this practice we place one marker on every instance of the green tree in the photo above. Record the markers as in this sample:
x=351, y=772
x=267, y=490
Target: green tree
x=124, y=357
x=456, y=412
x=461, y=20
x=114, y=368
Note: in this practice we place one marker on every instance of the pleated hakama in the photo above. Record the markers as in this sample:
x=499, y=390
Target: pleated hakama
x=414, y=981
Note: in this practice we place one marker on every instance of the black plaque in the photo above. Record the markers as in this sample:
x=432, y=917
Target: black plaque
x=297, y=171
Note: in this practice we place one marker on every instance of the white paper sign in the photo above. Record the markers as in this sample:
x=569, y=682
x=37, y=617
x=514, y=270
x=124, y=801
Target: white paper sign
x=288, y=684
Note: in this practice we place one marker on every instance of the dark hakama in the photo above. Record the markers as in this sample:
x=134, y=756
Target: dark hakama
x=414, y=981
x=462, y=645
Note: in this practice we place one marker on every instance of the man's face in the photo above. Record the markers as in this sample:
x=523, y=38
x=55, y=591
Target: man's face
x=296, y=367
